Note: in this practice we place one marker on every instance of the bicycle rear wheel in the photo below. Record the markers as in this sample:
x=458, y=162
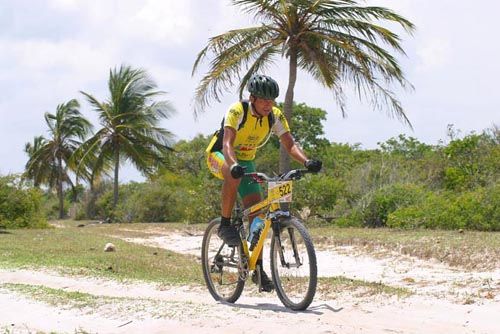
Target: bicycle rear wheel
x=293, y=264
x=221, y=265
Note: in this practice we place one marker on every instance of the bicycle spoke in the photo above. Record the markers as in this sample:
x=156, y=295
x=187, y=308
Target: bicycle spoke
x=221, y=266
x=293, y=264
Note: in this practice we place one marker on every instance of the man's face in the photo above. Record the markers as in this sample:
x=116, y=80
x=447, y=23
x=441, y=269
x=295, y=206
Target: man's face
x=263, y=106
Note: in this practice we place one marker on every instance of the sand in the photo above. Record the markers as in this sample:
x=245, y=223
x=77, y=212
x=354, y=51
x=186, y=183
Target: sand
x=445, y=300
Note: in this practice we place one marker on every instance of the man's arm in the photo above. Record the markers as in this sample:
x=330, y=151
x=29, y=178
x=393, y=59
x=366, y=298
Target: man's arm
x=227, y=146
x=292, y=148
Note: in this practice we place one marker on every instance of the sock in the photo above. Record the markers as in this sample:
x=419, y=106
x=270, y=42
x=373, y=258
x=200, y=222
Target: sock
x=224, y=221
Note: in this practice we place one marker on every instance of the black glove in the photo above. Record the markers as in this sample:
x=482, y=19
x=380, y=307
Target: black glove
x=313, y=165
x=237, y=171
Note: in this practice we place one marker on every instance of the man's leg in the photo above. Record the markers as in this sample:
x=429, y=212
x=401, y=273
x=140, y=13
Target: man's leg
x=251, y=193
x=248, y=201
x=229, y=191
x=230, y=185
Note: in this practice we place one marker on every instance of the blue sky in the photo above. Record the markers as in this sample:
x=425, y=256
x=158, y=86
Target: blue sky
x=50, y=50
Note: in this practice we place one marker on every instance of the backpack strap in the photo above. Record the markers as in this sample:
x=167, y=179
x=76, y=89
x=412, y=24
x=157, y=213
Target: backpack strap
x=270, y=119
x=244, y=103
x=217, y=145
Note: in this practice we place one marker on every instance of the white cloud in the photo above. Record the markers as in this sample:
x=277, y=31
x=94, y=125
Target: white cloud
x=433, y=54
x=64, y=4
x=43, y=55
x=164, y=21
x=70, y=45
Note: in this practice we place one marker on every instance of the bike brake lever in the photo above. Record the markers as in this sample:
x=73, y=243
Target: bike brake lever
x=255, y=177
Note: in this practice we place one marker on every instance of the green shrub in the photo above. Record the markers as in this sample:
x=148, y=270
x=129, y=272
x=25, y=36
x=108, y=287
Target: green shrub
x=50, y=205
x=354, y=218
x=202, y=201
x=104, y=204
x=386, y=200
x=168, y=198
x=473, y=210
x=20, y=207
x=472, y=162
x=317, y=192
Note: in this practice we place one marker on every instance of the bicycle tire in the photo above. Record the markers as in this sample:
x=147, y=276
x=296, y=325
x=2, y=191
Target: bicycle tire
x=296, y=291
x=223, y=266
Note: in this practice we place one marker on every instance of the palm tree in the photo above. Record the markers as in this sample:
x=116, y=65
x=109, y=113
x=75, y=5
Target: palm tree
x=129, y=121
x=336, y=42
x=43, y=173
x=49, y=158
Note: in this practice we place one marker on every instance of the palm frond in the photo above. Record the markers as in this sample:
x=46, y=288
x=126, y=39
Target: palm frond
x=248, y=47
x=66, y=127
x=337, y=42
x=130, y=121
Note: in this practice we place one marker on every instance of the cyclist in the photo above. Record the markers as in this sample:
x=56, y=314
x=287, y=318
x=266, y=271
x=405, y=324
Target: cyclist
x=231, y=153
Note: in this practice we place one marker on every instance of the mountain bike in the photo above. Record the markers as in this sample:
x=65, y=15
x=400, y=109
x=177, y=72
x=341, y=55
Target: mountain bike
x=292, y=256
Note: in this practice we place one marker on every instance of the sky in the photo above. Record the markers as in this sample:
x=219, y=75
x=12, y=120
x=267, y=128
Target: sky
x=51, y=50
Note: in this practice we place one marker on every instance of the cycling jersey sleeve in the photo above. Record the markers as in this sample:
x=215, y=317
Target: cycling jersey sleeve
x=280, y=124
x=234, y=115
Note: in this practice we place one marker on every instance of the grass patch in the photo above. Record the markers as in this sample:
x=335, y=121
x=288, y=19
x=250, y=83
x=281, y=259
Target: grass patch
x=136, y=230
x=469, y=249
x=106, y=305
x=80, y=251
x=332, y=287
x=60, y=298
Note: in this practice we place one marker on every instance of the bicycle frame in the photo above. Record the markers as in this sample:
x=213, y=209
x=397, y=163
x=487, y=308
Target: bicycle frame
x=292, y=255
x=271, y=206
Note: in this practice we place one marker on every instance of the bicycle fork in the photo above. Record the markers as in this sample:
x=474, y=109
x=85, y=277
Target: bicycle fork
x=277, y=235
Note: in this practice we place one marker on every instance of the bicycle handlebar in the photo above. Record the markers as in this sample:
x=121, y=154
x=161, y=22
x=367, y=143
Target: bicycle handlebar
x=294, y=174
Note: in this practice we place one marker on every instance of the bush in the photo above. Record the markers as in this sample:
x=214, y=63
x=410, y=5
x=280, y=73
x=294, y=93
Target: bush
x=472, y=162
x=317, y=192
x=387, y=199
x=474, y=210
x=202, y=201
x=20, y=207
x=168, y=198
x=50, y=205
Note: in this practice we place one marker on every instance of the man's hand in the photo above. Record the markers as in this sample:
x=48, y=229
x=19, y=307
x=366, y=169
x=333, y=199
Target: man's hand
x=237, y=171
x=313, y=165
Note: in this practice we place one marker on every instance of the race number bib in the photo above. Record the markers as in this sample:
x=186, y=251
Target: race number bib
x=280, y=191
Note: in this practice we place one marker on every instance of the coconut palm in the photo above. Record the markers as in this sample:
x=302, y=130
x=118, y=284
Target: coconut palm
x=49, y=158
x=336, y=42
x=38, y=174
x=130, y=125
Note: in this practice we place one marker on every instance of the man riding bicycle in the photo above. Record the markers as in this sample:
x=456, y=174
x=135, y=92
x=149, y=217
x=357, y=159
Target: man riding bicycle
x=246, y=127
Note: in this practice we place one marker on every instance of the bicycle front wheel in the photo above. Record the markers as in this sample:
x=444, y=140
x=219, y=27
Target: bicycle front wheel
x=221, y=265
x=293, y=264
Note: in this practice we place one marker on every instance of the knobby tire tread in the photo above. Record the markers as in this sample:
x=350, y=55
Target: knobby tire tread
x=210, y=230
x=313, y=279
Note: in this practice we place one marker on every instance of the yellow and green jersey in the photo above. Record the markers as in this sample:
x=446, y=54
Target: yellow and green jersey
x=252, y=134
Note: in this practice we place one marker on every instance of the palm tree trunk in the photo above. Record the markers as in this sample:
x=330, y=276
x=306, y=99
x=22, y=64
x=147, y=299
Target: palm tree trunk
x=60, y=189
x=90, y=210
x=287, y=108
x=77, y=180
x=115, y=186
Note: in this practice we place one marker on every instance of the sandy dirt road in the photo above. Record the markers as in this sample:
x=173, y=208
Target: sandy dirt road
x=445, y=300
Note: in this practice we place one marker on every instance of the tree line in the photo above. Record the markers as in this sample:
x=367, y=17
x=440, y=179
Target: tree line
x=129, y=130
x=339, y=43
x=403, y=183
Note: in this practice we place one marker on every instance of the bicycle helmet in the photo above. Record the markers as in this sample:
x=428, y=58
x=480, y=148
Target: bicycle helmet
x=263, y=86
